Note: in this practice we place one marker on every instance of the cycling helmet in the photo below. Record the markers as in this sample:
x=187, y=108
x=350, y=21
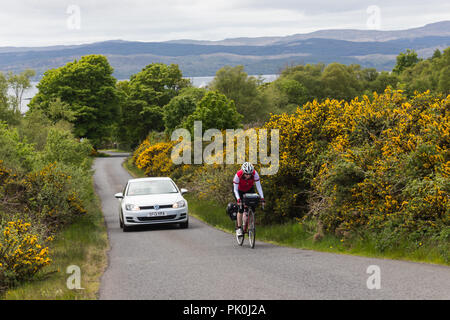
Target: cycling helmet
x=247, y=168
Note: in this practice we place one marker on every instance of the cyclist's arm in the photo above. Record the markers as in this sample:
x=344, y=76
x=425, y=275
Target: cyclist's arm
x=258, y=185
x=235, y=186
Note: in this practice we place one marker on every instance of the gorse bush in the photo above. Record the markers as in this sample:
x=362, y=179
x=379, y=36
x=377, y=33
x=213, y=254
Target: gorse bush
x=155, y=159
x=22, y=253
x=378, y=166
x=372, y=167
x=41, y=191
x=52, y=195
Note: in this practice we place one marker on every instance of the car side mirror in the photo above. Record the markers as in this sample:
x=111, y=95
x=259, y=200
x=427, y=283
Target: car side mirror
x=119, y=195
x=183, y=190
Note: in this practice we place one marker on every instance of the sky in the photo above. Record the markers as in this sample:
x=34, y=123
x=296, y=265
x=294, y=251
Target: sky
x=62, y=22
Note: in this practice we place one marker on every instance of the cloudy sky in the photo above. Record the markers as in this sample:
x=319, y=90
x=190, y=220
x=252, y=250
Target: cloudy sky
x=52, y=22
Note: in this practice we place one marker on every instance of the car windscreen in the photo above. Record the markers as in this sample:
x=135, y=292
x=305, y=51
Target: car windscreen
x=141, y=188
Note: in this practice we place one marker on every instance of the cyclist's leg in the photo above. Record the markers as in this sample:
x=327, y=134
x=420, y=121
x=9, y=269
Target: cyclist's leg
x=241, y=210
x=239, y=214
x=245, y=209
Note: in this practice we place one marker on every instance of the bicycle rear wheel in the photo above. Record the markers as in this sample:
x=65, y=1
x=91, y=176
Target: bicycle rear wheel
x=251, y=228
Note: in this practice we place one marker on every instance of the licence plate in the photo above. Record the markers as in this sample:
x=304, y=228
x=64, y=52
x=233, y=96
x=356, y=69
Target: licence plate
x=157, y=214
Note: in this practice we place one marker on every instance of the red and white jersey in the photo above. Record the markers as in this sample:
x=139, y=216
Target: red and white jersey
x=243, y=185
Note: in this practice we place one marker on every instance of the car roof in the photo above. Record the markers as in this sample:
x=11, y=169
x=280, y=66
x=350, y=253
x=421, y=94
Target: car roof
x=150, y=179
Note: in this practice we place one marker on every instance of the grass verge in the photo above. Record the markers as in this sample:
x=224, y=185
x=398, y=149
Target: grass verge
x=132, y=169
x=84, y=243
x=301, y=236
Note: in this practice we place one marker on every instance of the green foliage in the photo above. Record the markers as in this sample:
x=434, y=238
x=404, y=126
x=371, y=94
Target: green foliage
x=180, y=107
x=143, y=99
x=236, y=85
x=83, y=92
x=302, y=83
x=430, y=74
x=444, y=80
x=13, y=151
x=60, y=111
x=21, y=253
x=215, y=111
x=43, y=186
x=295, y=93
x=436, y=54
x=62, y=147
x=405, y=60
x=309, y=76
x=8, y=113
x=339, y=82
x=383, y=80
x=18, y=84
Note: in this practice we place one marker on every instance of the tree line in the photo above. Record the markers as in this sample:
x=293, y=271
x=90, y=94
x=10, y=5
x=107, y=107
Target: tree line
x=158, y=99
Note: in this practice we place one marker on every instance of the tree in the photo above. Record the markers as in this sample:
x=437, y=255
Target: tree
x=6, y=114
x=277, y=100
x=89, y=88
x=383, y=80
x=62, y=147
x=405, y=60
x=236, y=85
x=444, y=80
x=436, y=54
x=180, y=107
x=19, y=83
x=143, y=99
x=339, y=83
x=309, y=77
x=9, y=111
x=14, y=152
x=295, y=93
x=215, y=111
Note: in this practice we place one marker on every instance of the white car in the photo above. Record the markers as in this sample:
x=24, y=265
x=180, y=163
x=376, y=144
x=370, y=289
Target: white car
x=147, y=201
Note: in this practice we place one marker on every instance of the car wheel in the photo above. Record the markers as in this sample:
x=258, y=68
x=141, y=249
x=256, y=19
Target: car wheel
x=184, y=225
x=120, y=222
x=126, y=228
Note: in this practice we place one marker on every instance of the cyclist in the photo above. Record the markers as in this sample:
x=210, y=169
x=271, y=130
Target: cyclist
x=244, y=182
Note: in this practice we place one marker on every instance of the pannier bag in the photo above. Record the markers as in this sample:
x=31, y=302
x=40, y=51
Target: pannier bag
x=251, y=199
x=232, y=210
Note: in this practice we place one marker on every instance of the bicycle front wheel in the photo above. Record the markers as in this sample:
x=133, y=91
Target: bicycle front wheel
x=251, y=228
x=240, y=239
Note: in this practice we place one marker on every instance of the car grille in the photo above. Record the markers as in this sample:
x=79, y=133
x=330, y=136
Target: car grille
x=172, y=216
x=160, y=207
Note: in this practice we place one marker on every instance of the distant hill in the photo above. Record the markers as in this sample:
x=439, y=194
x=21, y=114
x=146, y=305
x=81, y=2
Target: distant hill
x=267, y=55
x=433, y=29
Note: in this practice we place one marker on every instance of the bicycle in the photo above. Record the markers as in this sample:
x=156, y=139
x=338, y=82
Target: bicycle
x=250, y=201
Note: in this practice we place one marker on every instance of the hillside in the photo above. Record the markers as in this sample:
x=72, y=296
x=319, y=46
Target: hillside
x=259, y=55
x=433, y=29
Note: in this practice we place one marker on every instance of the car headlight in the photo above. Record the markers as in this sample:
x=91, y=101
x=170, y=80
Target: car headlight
x=179, y=204
x=132, y=207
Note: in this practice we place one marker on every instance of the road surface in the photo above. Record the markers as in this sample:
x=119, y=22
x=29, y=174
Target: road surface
x=205, y=263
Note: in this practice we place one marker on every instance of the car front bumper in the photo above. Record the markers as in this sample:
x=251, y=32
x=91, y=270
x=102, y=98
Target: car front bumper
x=144, y=217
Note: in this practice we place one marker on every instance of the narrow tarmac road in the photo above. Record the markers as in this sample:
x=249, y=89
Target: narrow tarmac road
x=205, y=263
